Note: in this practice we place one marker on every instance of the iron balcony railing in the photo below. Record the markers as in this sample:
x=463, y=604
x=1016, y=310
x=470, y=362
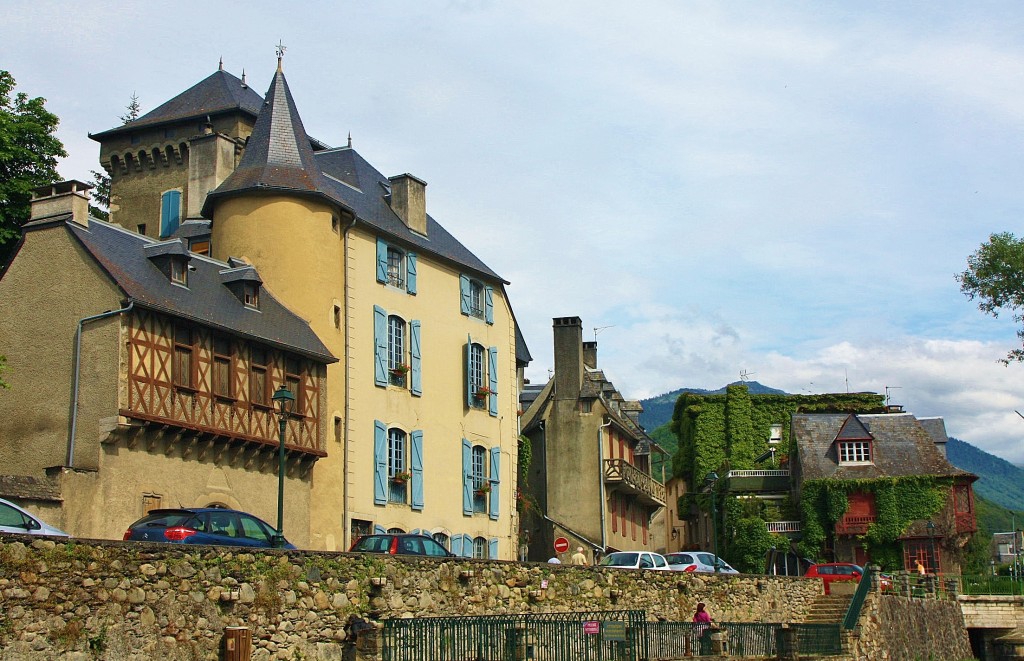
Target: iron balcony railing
x=783, y=527
x=759, y=480
x=854, y=525
x=631, y=479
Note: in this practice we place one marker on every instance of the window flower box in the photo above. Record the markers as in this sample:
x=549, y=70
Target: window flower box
x=482, y=392
x=401, y=478
x=483, y=489
x=399, y=370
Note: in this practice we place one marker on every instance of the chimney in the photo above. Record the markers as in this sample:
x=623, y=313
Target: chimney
x=590, y=355
x=568, y=332
x=409, y=201
x=65, y=197
x=211, y=158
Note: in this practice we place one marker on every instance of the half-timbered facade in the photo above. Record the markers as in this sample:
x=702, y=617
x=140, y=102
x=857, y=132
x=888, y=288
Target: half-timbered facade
x=141, y=376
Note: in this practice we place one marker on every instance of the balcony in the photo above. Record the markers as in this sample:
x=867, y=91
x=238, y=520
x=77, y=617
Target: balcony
x=791, y=528
x=759, y=480
x=629, y=479
x=854, y=525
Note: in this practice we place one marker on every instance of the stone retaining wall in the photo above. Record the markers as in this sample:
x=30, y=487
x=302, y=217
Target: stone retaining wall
x=901, y=628
x=124, y=600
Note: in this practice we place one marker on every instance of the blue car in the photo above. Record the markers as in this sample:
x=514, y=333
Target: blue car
x=204, y=525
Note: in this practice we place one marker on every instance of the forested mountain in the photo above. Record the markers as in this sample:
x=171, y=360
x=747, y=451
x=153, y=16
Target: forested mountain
x=1000, y=482
x=658, y=410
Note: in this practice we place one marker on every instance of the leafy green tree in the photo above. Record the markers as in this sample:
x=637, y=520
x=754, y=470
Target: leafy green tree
x=28, y=157
x=995, y=276
x=99, y=199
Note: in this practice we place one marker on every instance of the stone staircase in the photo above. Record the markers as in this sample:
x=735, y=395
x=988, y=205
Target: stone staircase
x=828, y=609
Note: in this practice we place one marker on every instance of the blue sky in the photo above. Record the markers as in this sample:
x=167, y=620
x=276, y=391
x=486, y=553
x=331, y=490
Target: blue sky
x=780, y=189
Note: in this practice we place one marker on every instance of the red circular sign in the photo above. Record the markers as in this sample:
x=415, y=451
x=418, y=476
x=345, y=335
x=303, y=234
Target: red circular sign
x=561, y=545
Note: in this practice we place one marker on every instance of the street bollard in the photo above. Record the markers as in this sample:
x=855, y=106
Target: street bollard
x=237, y=644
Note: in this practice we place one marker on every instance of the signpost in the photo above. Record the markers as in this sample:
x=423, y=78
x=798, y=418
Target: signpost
x=561, y=545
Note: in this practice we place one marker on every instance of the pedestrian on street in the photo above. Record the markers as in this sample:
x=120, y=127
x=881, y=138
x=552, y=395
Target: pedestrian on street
x=554, y=560
x=578, y=558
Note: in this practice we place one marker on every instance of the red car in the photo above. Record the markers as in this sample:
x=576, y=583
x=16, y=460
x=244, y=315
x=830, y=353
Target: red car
x=842, y=571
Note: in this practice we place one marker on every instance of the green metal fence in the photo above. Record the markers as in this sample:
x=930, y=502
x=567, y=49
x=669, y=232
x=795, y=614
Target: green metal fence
x=583, y=636
x=818, y=639
x=1000, y=585
x=677, y=640
x=853, y=612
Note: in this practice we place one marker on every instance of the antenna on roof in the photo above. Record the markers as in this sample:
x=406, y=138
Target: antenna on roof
x=243, y=78
x=281, y=48
x=744, y=375
x=887, y=389
x=598, y=329
x=350, y=139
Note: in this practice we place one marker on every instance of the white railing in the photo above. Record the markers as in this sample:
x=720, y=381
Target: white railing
x=783, y=526
x=783, y=472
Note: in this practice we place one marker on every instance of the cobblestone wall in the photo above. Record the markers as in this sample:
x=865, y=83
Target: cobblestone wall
x=901, y=628
x=119, y=601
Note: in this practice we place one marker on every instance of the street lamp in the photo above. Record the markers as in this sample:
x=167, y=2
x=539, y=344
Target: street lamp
x=931, y=542
x=709, y=483
x=284, y=399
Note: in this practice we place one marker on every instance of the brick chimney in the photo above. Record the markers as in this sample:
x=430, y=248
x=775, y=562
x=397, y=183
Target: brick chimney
x=568, y=333
x=65, y=197
x=590, y=355
x=409, y=201
x=211, y=158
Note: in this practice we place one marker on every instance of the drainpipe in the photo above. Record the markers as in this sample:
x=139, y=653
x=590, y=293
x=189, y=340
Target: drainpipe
x=600, y=477
x=70, y=460
x=345, y=524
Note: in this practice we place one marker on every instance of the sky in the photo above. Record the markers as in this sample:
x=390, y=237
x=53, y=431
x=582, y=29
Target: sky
x=781, y=192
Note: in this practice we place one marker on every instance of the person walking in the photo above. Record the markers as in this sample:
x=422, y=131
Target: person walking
x=578, y=558
x=701, y=624
x=702, y=616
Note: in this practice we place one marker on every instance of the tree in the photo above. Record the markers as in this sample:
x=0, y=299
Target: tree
x=99, y=200
x=995, y=276
x=28, y=157
x=132, y=110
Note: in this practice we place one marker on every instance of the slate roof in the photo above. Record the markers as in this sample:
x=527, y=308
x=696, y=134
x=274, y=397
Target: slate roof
x=218, y=93
x=206, y=300
x=277, y=158
x=900, y=446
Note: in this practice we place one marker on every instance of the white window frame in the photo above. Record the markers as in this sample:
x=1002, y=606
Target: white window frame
x=855, y=452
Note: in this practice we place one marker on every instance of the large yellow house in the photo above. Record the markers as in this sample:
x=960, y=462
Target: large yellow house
x=419, y=413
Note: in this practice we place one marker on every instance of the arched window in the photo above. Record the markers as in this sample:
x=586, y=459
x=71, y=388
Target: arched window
x=443, y=540
x=480, y=548
x=395, y=531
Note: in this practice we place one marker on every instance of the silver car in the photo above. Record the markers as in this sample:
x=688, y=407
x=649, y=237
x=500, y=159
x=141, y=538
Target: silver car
x=697, y=561
x=14, y=519
x=634, y=560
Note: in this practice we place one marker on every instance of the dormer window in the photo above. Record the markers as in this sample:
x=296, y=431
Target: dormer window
x=855, y=452
x=179, y=272
x=251, y=294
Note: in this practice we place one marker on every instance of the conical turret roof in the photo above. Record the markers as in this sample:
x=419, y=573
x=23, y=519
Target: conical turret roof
x=278, y=155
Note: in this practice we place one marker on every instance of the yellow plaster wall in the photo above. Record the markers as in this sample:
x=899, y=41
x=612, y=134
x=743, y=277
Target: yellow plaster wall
x=49, y=286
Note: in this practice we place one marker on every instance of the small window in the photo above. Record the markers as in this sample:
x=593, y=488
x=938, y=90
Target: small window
x=396, y=267
x=337, y=429
x=476, y=299
x=480, y=548
x=222, y=367
x=258, y=391
x=855, y=452
x=398, y=474
x=775, y=435
x=251, y=295
x=183, y=356
x=476, y=375
x=200, y=246
x=141, y=228
x=179, y=271
x=293, y=381
x=481, y=486
x=337, y=316
x=586, y=406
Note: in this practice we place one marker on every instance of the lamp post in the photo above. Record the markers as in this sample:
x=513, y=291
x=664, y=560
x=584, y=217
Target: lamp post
x=284, y=399
x=931, y=542
x=709, y=483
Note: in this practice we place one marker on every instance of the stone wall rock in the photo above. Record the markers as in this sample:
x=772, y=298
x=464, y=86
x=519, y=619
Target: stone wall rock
x=901, y=628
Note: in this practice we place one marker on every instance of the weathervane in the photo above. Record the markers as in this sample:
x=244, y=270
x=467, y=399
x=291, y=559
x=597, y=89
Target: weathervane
x=281, y=48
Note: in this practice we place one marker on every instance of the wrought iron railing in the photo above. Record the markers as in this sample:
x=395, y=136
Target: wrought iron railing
x=620, y=470
x=782, y=526
x=782, y=472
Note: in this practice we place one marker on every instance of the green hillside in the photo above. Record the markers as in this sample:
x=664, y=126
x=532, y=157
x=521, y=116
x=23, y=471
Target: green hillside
x=1000, y=482
x=658, y=410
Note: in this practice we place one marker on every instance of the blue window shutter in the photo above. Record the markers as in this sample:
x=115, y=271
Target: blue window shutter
x=492, y=548
x=495, y=482
x=467, y=546
x=382, y=261
x=379, y=530
x=489, y=305
x=467, y=478
x=380, y=343
x=466, y=295
x=380, y=463
x=456, y=542
x=170, y=212
x=492, y=374
x=469, y=372
x=410, y=272
x=417, y=470
x=416, y=382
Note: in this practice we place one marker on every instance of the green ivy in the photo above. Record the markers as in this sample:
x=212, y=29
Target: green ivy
x=899, y=501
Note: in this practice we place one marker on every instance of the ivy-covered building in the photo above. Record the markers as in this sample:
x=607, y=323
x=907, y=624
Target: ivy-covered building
x=879, y=488
x=745, y=440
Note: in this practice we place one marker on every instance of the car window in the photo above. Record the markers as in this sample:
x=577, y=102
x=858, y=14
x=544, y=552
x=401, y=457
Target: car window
x=221, y=524
x=646, y=562
x=620, y=560
x=254, y=529
x=679, y=559
x=825, y=571
x=706, y=559
x=11, y=517
x=659, y=561
x=410, y=545
x=163, y=519
x=845, y=570
x=373, y=544
x=432, y=548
